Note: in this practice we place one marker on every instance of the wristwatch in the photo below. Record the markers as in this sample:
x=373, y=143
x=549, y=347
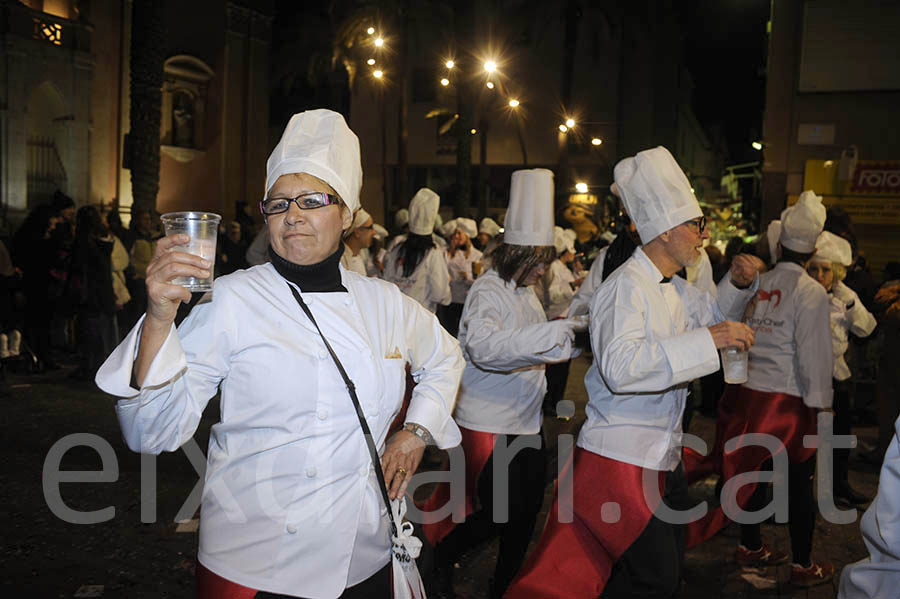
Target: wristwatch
x=419, y=431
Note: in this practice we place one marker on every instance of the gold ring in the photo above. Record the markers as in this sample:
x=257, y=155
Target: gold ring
x=402, y=471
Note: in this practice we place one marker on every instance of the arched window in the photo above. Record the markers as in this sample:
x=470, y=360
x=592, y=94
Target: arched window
x=184, y=92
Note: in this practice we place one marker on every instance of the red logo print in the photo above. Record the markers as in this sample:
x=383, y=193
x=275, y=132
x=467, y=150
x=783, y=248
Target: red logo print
x=765, y=296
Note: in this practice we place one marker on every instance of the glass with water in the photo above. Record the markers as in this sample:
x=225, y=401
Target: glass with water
x=734, y=365
x=203, y=229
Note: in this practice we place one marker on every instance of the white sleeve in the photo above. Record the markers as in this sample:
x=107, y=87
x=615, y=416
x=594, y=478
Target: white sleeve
x=438, y=283
x=491, y=347
x=184, y=375
x=559, y=290
x=631, y=361
x=860, y=321
x=812, y=338
x=436, y=364
x=581, y=301
x=731, y=300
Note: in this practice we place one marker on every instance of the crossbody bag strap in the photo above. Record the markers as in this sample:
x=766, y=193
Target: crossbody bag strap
x=351, y=389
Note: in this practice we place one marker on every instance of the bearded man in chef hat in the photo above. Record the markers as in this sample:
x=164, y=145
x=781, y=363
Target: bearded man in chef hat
x=789, y=381
x=652, y=333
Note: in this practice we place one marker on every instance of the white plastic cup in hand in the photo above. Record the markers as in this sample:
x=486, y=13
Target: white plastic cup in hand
x=203, y=228
x=734, y=364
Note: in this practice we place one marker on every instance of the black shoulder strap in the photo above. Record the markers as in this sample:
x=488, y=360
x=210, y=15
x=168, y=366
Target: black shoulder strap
x=351, y=389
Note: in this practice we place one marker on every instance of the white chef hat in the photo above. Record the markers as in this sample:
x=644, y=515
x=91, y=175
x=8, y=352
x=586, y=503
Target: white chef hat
x=401, y=217
x=655, y=192
x=489, y=226
x=448, y=228
x=423, y=210
x=320, y=143
x=529, y=219
x=802, y=223
x=562, y=241
x=833, y=248
x=773, y=234
x=380, y=232
x=360, y=219
x=467, y=226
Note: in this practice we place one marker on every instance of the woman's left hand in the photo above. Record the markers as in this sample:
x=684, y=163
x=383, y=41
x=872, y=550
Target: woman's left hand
x=401, y=458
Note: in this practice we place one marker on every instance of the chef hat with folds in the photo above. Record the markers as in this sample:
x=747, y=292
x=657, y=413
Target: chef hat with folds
x=448, y=228
x=320, y=143
x=833, y=248
x=401, y=218
x=423, y=210
x=529, y=219
x=562, y=241
x=802, y=223
x=773, y=233
x=380, y=232
x=467, y=226
x=360, y=219
x=655, y=191
x=489, y=226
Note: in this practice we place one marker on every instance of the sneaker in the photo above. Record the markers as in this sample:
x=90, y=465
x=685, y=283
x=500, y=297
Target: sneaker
x=811, y=576
x=764, y=556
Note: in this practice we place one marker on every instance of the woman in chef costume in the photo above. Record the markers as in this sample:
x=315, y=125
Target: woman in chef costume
x=506, y=341
x=291, y=506
x=464, y=264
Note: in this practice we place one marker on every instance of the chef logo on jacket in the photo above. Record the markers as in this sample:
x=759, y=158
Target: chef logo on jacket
x=394, y=355
x=765, y=296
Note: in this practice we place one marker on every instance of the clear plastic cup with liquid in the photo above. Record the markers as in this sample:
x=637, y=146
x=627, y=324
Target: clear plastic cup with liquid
x=203, y=229
x=734, y=365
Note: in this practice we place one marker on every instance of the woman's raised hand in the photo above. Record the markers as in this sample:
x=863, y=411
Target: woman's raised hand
x=163, y=297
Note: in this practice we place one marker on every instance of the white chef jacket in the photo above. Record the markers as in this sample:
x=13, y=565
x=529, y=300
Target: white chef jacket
x=290, y=499
x=559, y=291
x=847, y=313
x=461, y=277
x=650, y=339
x=356, y=263
x=581, y=301
x=429, y=283
x=792, y=350
x=878, y=576
x=506, y=341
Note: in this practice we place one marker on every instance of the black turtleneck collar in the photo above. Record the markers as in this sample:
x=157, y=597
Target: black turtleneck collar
x=322, y=277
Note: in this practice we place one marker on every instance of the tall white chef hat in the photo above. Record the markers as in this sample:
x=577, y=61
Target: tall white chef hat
x=773, y=234
x=320, y=143
x=802, y=223
x=489, y=226
x=655, y=192
x=423, y=209
x=448, y=228
x=529, y=219
x=833, y=248
x=467, y=226
x=562, y=241
x=401, y=218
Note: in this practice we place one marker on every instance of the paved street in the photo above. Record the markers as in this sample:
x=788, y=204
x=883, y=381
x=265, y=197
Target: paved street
x=44, y=556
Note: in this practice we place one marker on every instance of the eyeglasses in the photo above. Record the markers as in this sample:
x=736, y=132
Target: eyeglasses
x=700, y=222
x=306, y=201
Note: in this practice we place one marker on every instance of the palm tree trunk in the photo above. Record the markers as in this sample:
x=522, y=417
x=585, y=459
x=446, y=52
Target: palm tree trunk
x=147, y=43
x=464, y=27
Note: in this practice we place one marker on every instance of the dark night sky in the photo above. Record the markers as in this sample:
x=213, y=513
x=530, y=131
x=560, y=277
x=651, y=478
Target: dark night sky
x=725, y=47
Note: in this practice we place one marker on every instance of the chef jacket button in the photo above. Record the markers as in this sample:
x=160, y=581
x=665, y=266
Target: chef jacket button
x=323, y=354
x=291, y=528
x=322, y=413
x=311, y=471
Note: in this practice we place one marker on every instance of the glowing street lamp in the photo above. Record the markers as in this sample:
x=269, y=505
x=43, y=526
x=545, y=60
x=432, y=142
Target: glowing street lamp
x=596, y=141
x=563, y=128
x=581, y=187
x=473, y=131
x=445, y=82
x=570, y=123
x=370, y=62
x=449, y=64
x=757, y=145
x=370, y=30
x=377, y=74
x=490, y=66
x=490, y=84
x=513, y=103
x=379, y=42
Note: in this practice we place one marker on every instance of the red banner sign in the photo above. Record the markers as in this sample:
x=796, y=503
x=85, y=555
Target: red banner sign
x=876, y=177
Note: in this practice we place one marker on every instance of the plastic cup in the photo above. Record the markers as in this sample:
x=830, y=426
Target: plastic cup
x=734, y=364
x=203, y=229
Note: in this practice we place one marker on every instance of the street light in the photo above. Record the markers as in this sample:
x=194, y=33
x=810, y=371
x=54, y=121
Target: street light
x=596, y=141
x=513, y=103
x=370, y=62
x=377, y=74
x=370, y=30
x=449, y=64
x=490, y=84
x=379, y=42
x=563, y=128
x=581, y=187
x=757, y=145
x=445, y=82
x=473, y=131
x=570, y=123
x=490, y=66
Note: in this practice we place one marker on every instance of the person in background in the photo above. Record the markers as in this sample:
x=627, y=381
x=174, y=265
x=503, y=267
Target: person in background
x=487, y=230
x=357, y=240
x=464, y=264
x=416, y=264
x=717, y=260
x=375, y=262
x=560, y=287
x=10, y=325
x=119, y=262
x=140, y=251
x=848, y=315
x=506, y=341
x=231, y=250
x=292, y=506
x=258, y=251
x=887, y=311
x=652, y=333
